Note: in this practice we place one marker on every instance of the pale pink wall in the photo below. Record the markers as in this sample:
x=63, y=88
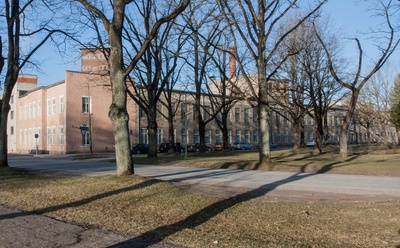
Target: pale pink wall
x=31, y=123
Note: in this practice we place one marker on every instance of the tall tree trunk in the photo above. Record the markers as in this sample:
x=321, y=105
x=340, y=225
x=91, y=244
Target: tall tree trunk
x=152, y=129
x=263, y=123
x=296, y=134
x=343, y=138
x=5, y=108
x=118, y=112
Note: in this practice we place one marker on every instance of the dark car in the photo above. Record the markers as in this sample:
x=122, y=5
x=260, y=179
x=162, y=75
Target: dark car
x=196, y=147
x=165, y=147
x=242, y=146
x=140, y=149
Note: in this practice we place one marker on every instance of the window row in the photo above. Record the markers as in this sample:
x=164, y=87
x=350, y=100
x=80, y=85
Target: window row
x=250, y=136
x=29, y=111
x=32, y=136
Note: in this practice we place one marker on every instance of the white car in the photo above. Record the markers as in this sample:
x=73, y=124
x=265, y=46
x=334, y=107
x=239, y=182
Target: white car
x=310, y=143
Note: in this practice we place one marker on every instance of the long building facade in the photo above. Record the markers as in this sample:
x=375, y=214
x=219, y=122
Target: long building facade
x=71, y=116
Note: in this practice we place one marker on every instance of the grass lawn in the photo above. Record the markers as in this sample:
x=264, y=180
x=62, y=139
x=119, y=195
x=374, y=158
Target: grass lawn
x=158, y=210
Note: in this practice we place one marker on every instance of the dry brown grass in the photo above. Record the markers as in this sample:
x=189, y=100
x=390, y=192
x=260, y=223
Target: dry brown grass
x=378, y=162
x=158, y=210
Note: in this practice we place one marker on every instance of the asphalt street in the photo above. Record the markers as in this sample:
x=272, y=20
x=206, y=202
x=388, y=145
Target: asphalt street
x=223, y=178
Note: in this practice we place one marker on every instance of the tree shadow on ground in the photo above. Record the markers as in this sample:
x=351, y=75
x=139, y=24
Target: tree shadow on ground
x=157, y=235
x=46, y=210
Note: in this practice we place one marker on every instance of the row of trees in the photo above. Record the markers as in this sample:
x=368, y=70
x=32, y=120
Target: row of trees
x=157, y=47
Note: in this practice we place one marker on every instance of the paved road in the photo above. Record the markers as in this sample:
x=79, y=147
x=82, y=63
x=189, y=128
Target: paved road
x=268, y=181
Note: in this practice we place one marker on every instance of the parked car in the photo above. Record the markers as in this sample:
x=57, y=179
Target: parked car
x=310, y=143
x=218, y=147
x=196, y=147
x=140, y=149
x=165, y=147
x=272, y=145
x=242, y=146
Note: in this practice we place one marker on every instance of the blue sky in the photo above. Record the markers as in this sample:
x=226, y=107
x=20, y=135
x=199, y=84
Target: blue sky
x=348, y=16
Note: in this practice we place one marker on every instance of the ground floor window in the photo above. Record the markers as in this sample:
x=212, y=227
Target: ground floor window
x=208, y=136
x=159, y=135
x=144, y=136
x=247, y=136
x=218, y=136
x=255, y=136
x=196, y=136
x=237, y=136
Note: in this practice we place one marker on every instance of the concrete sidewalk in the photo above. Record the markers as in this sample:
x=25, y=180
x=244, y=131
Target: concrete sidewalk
x=25, y=229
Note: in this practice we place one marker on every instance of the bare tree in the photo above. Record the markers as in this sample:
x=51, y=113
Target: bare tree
x=386, y=42
x=21, y=44
x=153, y=71
x=377, y=92
x=253, y=27
x=204, y=33
x=395, y=106
x=114, y=19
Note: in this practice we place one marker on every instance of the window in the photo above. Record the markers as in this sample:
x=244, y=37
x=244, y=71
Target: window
x=86, y=105
x=144, y=136
x=237, y=115
x=278, y=137
x=255, y=117
x=184, y=135
x=48, y=136
x=11, y=130
x=246, y=116
x=206, y=113
x=277, y=117
x=285, y=119
x=25, y=111
x=12, y=99
x=25, y=136
x=61, y=136
x=183, y=110
x=30, y=136
x=30, y=111
x=196, y=136
x=159, y=110
x=159, y=135
x=11, y=114
x=38, y=109
x=218, y=136
x=53, y=106
x=255, y=136
x=48, y=106
x=237, y=136
x=229, y=136
x=285, y=137
x=20, y=113
x=207, y=136
x=61, y=104
x=34, y=109
x=247, y=136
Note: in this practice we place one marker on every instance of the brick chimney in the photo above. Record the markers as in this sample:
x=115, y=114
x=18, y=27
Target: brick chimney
x=232, y=62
